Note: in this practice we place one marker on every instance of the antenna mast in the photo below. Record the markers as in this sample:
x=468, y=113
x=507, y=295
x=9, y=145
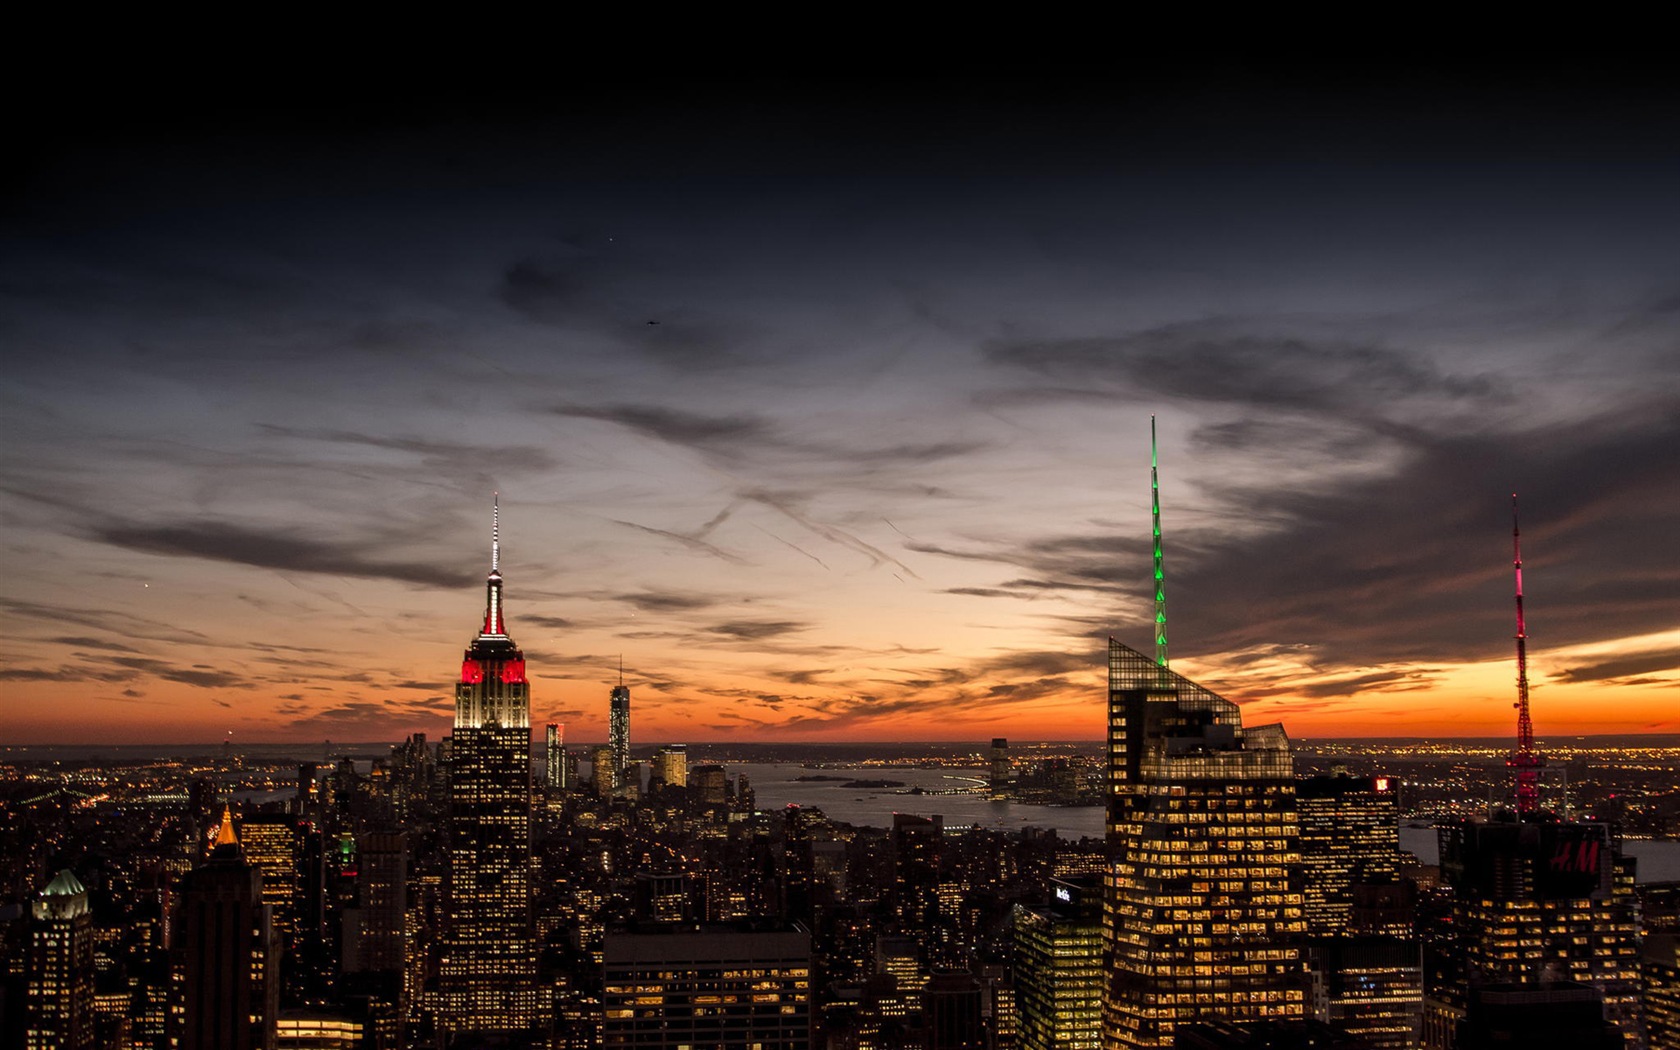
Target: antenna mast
x=1160, y=578
x=495, y=532
x=1526, y=759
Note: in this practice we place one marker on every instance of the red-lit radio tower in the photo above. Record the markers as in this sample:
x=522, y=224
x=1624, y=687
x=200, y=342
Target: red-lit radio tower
x=1526, y=759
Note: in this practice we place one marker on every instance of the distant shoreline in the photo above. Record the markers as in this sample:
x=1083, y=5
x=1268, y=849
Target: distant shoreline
x=209, y=747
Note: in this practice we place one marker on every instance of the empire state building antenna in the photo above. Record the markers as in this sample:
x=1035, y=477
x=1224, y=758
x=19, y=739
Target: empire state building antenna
x=1526, y=759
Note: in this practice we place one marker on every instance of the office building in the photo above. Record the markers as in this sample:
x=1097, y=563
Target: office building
x=1372, y=987
x=1537, y=901
x=1204, y=910
x=1561, y=1015
x=917, y=846
x=604, y=774
x=1659, y=980
x=273, y=844
x=1059, y=968
x=618, y=729
x=999, y=773
x=737, y=986
x=487, y=970
x=710, y=785
x=228, y=953
x=670, y=766
x=375, y=934
x=1350, y=838
x=58, y=1004
x=554, y=757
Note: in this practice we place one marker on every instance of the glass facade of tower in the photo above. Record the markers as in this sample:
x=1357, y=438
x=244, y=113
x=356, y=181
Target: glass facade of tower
x=618, y=731
x=1350, y=836
x=487, y=971
x=1203, y=910
x=1059, y=969
x=554, y=757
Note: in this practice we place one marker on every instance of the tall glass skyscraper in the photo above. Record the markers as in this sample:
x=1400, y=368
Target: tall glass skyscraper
x=1204, y=910
x=618, y=731
x=487, y=973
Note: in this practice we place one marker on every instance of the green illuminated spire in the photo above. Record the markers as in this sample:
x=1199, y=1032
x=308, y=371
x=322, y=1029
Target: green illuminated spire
x=1160, y=577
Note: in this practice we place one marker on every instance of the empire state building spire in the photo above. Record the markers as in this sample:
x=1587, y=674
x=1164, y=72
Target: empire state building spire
x=494, y=625
x=492, y=687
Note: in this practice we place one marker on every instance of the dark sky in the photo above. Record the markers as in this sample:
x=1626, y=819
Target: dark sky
x=819, y=388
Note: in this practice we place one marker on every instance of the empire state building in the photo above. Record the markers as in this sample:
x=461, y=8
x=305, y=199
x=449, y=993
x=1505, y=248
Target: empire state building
x=487, y=973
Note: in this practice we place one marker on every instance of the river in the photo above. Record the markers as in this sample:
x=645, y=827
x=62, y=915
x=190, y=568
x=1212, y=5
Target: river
x=775, y=785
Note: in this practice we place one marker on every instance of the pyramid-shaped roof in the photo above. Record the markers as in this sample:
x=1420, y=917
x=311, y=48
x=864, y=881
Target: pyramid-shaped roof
x=64, y=884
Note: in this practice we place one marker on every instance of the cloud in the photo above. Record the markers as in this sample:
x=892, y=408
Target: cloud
x=94, y=643
x=1623, y=667
x=119, y=623
x=1231, y=360
x=691, y=430
x=270, y=549
x=691, y=542
x=200, y=676
x=752, y=630
x=668, y=601
x=738, y=437
x=448, y=458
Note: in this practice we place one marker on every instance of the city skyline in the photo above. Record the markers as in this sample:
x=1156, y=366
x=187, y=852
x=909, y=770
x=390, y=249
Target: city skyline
x=829, y=415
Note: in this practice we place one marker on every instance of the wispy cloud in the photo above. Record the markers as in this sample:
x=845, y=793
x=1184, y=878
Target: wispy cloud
x=284, y=551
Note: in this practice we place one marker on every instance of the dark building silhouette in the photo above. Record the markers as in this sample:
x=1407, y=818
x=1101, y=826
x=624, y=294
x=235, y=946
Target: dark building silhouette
x=917, y=845
x=1264, y=1035
x=999, y=772
x=951, y=1014
x=228, y=953
x=375, y=936
x=1535, y=901
x=1561, y=1015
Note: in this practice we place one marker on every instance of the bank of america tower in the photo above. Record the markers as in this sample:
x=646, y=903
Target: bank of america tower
x=487, y=972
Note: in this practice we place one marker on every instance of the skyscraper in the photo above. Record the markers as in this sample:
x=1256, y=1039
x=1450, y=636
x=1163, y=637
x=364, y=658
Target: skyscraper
x=230, y=954
x=1350, y=837
x=1204, y=904
x=59, y=1014
x=917, y=846
x=670, y=766
x=618, y=729
x=487, y=971
x=740, y=986
x=555, y=757
x=1203, y=909
x=1000, y=770
x=273, y=844
x=1536, y=902
x=1059, y=968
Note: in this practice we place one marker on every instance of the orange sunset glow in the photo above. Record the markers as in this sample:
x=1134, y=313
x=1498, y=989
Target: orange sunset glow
x=829, y=419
